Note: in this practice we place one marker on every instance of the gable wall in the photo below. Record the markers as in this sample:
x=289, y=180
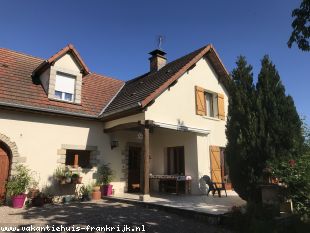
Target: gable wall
x=177, y=104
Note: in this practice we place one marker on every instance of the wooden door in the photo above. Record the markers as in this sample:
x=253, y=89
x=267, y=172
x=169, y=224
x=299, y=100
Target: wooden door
x=134, y=165
x=4, y=172
x=216, y=170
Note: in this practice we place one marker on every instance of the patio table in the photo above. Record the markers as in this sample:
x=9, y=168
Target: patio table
x=164, y=179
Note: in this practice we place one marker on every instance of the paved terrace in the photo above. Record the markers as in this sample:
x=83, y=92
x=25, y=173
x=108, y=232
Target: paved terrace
x=199, y=203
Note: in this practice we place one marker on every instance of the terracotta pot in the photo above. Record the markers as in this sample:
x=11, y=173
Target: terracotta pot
x=96, y=195
x=96, y=188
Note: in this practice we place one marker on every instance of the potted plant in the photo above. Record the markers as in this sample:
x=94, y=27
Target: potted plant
x=76, y=178
x=60, y=175
x=105, y=175
x=33, y=191
x=96, y=193
x=68, y=175
x=85, y=192
x=17, y=186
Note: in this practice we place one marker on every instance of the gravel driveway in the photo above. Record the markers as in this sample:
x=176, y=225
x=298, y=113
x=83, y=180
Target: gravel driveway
x=103, y=213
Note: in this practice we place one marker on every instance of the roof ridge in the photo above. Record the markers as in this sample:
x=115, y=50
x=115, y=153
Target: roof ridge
x=22, y=53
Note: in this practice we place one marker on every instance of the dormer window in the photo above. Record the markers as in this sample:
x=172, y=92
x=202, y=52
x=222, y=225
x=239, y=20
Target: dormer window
x=65, y=86
x=61, y=75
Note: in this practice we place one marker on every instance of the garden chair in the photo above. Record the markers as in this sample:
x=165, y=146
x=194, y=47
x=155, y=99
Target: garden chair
x=214, y=186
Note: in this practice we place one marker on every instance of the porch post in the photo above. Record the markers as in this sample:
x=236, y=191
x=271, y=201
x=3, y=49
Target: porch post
x=146, y=159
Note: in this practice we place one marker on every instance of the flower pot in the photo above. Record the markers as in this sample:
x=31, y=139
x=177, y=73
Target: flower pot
x=106, y=190
x=96, y=195
x=96, y=188
x=68, y=180
x=18, y=201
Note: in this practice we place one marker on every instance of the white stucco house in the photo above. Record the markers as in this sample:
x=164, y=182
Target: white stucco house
x=168, y=122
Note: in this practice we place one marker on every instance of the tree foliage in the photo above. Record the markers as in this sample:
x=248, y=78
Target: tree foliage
x=301, y=26
x=241, y=151
x=263, y=126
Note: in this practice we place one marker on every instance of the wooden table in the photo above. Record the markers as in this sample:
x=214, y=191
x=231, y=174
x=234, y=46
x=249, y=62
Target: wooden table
x=164, y=180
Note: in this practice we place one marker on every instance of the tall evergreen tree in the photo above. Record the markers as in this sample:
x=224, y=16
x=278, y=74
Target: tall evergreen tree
x=279, y=132
x=241, y=154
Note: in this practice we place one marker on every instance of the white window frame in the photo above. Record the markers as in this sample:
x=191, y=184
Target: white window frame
x=213, y=104
x=65, y=86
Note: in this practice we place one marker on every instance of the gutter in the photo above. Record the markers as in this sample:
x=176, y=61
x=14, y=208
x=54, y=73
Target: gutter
x=14, y=105
x=181, y=128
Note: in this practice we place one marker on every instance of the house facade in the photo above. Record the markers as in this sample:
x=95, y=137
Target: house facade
x=167, y=122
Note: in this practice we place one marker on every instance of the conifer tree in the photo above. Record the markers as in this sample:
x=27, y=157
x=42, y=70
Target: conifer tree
x=241, y=154
x=279, y=132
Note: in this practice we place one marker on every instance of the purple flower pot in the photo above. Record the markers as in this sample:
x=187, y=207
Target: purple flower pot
x=106, y=190
x=18, y=201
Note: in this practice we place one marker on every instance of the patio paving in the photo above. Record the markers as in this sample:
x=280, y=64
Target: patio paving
x=102, y=213
x=199, y=203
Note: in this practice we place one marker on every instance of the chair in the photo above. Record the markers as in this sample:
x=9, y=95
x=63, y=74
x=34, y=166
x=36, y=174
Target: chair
x=214, y=186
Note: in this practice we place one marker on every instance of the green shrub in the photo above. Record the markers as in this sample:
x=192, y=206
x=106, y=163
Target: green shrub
x=105, y=174
x=19, y=182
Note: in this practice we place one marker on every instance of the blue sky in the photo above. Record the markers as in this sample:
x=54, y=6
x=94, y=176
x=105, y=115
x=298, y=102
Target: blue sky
x=114, y=37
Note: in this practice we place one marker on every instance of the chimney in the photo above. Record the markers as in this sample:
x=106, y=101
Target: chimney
x=157, y=60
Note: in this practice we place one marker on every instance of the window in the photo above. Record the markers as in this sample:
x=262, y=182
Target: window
x=209, y=104
x=78, y=158
x=175, y=160
x=64, y=87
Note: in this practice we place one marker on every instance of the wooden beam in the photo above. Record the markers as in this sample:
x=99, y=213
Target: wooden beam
x=146, y=160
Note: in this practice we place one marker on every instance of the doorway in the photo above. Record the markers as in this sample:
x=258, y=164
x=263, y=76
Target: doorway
x=4, y=170
x=134, y=165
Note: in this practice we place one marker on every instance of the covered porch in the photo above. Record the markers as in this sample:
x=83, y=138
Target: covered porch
x=160, y=158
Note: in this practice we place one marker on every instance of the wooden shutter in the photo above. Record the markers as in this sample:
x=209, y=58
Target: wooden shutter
x=220, y=105
x=215, y=159
x=200, y=101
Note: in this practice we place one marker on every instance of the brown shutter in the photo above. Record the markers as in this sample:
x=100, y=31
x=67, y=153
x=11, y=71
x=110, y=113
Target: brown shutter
x=220, y=104
x=200, y=101
x=215, y=159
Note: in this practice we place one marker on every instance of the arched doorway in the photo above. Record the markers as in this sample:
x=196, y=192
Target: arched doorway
x=4, y=169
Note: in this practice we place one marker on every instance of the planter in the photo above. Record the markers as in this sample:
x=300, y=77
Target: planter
x=18, y=201
x=67, y=199
x=96, y=194
x=68, y=180
x=106, y=190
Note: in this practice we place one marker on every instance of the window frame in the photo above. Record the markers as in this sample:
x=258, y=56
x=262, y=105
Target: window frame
x=62, y=96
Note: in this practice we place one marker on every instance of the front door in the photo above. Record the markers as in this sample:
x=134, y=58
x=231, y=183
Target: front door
x=134, y=164
x=4, y=172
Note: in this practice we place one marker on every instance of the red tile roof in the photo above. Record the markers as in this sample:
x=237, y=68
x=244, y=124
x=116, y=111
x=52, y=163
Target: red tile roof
x=19, y=89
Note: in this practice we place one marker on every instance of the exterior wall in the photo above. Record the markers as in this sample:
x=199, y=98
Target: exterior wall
x=160, y=139
x=177, y=106
x=68, y=62
x=41, y=138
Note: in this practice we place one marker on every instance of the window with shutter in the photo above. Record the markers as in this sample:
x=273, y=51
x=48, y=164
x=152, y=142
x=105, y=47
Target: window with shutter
x=200, y=101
